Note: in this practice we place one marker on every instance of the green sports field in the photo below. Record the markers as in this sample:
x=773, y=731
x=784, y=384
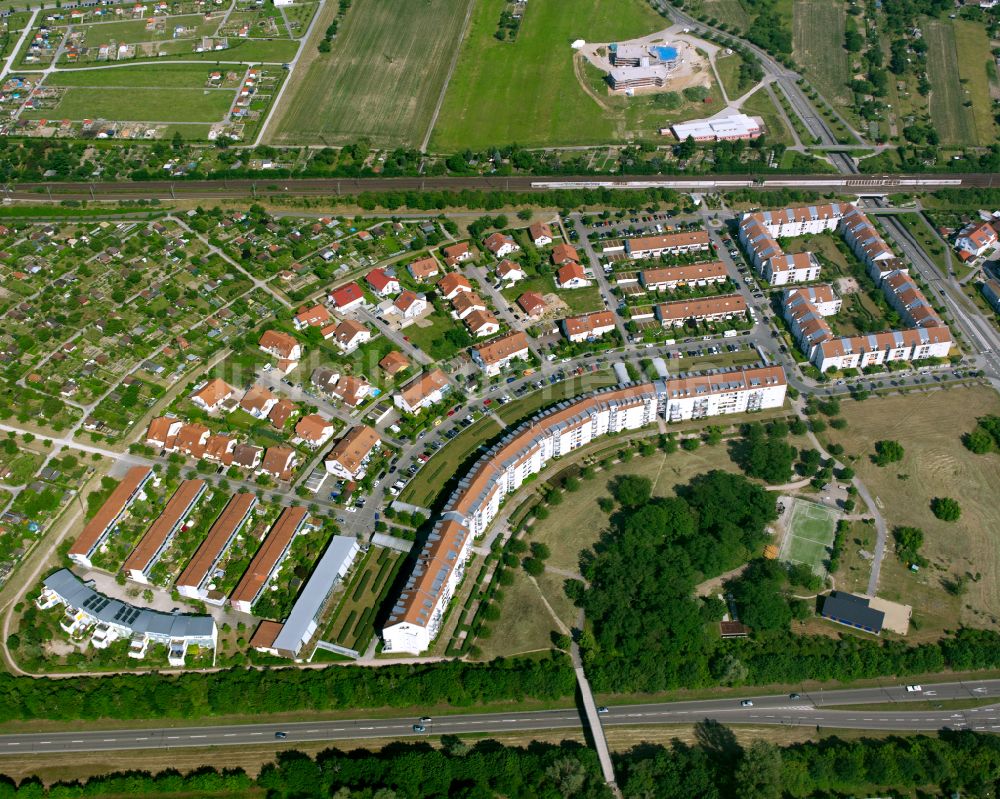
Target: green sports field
x=527, y=91
x=811, y=532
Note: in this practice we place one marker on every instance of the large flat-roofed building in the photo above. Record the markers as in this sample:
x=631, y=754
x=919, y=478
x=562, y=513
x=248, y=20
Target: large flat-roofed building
x=669, y=278
x=416, y=617
x=161, y=532
x=504, y=468
x=300, y=626
x=113, y=619
x=853, y=611
x=635, y=66
x=195, y=581
x=109, y=514
x=268, y=558
x=670, y=244
x=733, y=127
x=701, y=309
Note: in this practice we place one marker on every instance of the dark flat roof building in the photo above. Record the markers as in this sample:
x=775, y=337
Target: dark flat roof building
x=853, y=611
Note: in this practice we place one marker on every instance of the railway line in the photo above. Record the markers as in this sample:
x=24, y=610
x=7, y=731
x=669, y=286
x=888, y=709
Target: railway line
x=344, y=187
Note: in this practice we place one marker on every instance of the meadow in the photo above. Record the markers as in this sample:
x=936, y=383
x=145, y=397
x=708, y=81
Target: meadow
x=953, y=120
x=134, y=105
x=381, y=80
x=818, y=42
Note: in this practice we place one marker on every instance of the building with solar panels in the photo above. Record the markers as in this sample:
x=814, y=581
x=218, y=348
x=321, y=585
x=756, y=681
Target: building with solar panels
x=106, y=620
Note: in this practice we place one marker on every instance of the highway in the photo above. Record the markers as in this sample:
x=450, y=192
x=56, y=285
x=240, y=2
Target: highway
x=266, y=186
x=810, y=709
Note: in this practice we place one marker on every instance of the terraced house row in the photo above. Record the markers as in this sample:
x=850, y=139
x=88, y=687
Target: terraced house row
x=417, y=616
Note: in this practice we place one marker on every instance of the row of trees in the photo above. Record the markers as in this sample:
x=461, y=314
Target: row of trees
x=952, y=763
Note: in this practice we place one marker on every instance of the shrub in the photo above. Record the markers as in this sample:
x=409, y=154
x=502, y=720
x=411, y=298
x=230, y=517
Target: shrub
x=946, y=509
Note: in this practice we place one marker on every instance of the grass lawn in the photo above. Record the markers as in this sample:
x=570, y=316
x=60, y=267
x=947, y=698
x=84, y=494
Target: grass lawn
x=145, y=105
x=177, y=76
x=855, y=560
x=382, y=79
x=935, y=464
x=527, y=91
x=521, y=409
x=429, y=481
x=760, y=104
x=423, y=335
x=955, y=123
x=975, y=68
x=525, y=624
x=728, y=67
x=818, y=36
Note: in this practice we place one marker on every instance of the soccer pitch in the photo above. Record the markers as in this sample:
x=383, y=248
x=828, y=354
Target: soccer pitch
x=811, y=530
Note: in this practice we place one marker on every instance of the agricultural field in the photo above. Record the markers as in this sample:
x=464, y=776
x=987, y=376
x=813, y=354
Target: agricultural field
x=954, y=121
x=528, y=91
x=382, y=79
x=818, y=41
x=935, y=464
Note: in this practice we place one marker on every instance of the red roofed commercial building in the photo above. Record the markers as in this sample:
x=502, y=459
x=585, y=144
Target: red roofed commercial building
x=350, y=456
x=280, y=345
x=197, y=577
x=424, y=268
x=109, y=514
x=423, y=391
x=589, y=326
x=272, y=552
x=704, y=309
x=347, y=297
x=317, y=316
x=161, y=532
x=382, y=282
x=669, y=278
x=492, y=358
x=572, y=276
x=670, y=244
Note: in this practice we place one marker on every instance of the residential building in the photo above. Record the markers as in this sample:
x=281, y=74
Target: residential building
x=350, y=335
x=540, y=234
x=482, y=323
x=247, y=456
x=732, y=127
x=258, y=401
x=423, y=391
x=572, y=276
x=347, y=297
x=352, y=390
x=453, y=284
x=350, y=456
x=565, y=254
x=282, y=411
x=670, y=244
x=862, y=237
x=977, y=239
x=500, y=244
x=909, y=301
x=494, y=357
x=806, y=220
x=822, y=297
x=267, y=562
x=669, y=278
x=799, y=267
x=313, y=430
x=278, y=462
x=991, y=291
x=588, y=326
x=109, y=514
x=162, y=531
x=316, y=316
x=409, y=305
x=457, y=253
x=701, y=309
x=382, y=282
x=214, y=395
x=760, y=245
x=280, y=345
x=424, y=268
x=465, y=303
x=533, y=304
x=197, y=579
x=85, y=608
x=303, y=619
x=875, y=349
x=394, y=363
x=510, y=272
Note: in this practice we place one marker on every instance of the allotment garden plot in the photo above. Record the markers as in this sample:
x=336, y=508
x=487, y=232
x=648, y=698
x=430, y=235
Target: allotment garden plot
x=811, y=530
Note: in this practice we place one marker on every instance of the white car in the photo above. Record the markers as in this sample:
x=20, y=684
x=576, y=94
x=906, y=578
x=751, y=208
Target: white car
x=746, y=703
x=914, y=689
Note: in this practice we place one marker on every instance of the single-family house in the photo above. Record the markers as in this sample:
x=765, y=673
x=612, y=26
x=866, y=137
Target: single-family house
x=350, y=335
x=258, y=401
x=313, y=430
x=571, y=276
x=423, y=391
x=500, y=244
x=451, y=284
x=510, y=272
x=347, y=297
x=280, y=345
x=213, y=395
x=350, y=456
x=382, y=282
x=540, y=234
x=424, y=268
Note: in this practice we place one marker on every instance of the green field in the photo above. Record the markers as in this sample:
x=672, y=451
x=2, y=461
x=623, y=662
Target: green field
x=759, y=104
x=954, y=122
x=147, y=105
x=185, y=76
x=975, y=68
x=811, y=531
x=382, y=79
x=527, y=91
x=730, y=12
x=818, y=36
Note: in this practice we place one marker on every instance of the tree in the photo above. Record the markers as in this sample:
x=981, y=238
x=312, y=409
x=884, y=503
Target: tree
x=887, y=452
x=632, y=490
x=758, y=775
x=946, y=509
x=908, y=543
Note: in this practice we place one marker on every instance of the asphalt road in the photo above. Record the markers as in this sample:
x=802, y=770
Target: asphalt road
x=811, y=710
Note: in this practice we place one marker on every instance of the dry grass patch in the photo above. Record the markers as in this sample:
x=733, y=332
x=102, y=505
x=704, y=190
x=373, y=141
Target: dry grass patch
x=525, y=624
